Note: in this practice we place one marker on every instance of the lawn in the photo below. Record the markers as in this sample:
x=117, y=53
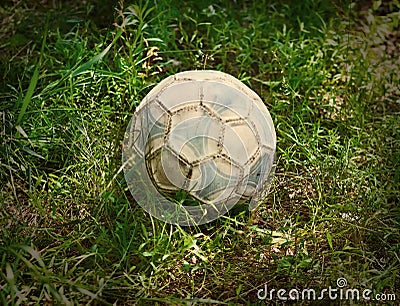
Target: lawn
x=73, y=73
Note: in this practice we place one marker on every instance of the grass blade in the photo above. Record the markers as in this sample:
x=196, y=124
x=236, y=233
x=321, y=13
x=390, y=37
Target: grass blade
x=85, y=66
x=28, y=95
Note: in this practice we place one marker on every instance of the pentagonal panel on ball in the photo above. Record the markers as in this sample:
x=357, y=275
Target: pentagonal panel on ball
x=167, y=170
x=225, y=100
x=262, y=123
x=193, y=134
x=240, y=141
x=217, y=179
x=259, y=170
x=178, y=93
x=157, y=120
x=251, y=180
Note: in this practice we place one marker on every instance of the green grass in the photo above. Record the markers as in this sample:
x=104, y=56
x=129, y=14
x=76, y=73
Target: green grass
x=72, y=75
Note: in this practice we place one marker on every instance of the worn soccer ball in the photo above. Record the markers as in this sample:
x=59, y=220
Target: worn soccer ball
x=203, y=133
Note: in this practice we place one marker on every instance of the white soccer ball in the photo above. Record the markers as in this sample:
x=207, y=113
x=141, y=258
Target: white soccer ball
x=203, y=133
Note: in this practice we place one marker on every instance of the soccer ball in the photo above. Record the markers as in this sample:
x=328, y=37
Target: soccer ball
x=204, y=133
